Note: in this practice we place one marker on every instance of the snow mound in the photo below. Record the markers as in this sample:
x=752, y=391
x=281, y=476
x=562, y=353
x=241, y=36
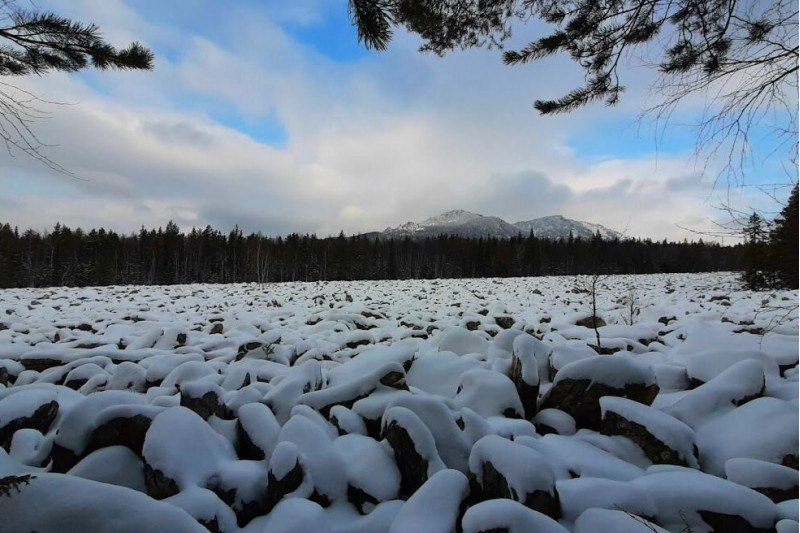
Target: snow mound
x=765, y=429
x=435, y=506
x=666, y=430
x=688, y=497
x=594, y=520
x=583, y=493
x=507, y=515
x=76, y=505
x=182, y=447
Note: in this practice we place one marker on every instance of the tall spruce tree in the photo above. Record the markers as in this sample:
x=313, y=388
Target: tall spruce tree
x=755, y=273
x=784, y=245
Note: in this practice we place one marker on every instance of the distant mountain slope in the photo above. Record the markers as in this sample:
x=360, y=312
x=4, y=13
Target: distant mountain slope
x=557, y=227
x=466, y=224
x=456, y=222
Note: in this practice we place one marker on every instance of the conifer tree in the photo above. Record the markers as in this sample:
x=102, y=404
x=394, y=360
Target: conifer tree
x=36, y=42
x=784, y=245
x=755, y=235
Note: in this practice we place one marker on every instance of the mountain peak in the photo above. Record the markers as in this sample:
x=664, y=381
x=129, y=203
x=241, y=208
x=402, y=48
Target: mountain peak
x=451, y=218
x=558, y=227
x=468, y=224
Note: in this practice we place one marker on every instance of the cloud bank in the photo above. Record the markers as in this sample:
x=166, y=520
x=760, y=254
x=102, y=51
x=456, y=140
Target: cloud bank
x=245, y=124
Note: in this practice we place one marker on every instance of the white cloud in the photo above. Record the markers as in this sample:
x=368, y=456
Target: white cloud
x=370, y=143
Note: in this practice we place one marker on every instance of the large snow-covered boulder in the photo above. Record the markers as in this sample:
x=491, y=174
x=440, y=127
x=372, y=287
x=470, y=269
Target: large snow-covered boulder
x=30, y=447
x=206, y=508
x=242, y=485
x=461, y=342
x=56, y=503
x=76, y=428
x=205, y=399
x=765, y=429
x=664, y=439
x=359, y=386
x=524, y=371
x=505, y=469
x=489, y=394
x=180, y=451
x=581, y=494
x=116, y=465
x=452, y=444
x=26, y=409
x=439, y=372
x=286, y=475
x=687, y=498
x=554, y=421
x=737, y=385
x=779, y=483
x=705, y=366
x=571, y=457
x=509, y=516
x=613, y=520
x=323, y=466
x=372, y=475
x=578, y=386
x=435, y=507
x=258, y=431
x=122, y=425
x=414, y=448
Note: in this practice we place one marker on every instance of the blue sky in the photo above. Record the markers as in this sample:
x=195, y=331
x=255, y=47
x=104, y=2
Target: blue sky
x=270, y=115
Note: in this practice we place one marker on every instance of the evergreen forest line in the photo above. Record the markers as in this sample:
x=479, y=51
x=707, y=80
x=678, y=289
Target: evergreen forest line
x=74, y=257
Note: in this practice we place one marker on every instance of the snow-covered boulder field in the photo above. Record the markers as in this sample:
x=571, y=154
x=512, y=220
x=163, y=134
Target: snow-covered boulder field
x=420, y=406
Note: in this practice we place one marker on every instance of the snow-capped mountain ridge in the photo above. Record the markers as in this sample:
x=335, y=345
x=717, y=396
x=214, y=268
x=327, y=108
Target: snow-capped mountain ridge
x=558, y=226
x=467, y=224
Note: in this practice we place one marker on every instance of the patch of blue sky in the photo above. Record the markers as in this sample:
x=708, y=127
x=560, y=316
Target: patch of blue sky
x=262, y=128
x=629, y=138
x=323, y=26
x=332, y=36
x=61, y=187
x=624, y=138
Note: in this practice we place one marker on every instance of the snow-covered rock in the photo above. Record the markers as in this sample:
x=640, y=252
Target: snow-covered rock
x=779, y=483
x=765, y=429
x=664, y=439
x=507, y=515
x=435, y=506
x=598, y=519
x=579, y=495
x=182, y=451
x=26, y=409
x=705, y=503
x=578, y=386
x=505, y=469
x=56, y=503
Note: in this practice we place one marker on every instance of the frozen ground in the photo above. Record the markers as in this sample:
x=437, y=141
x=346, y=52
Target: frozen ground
x=421, y=406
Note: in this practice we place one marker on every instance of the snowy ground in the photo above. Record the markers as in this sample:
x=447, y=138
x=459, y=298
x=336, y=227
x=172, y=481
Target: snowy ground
x=420, y=406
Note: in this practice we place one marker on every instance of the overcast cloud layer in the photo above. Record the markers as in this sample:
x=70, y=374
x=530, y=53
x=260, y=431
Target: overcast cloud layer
x=242, y=123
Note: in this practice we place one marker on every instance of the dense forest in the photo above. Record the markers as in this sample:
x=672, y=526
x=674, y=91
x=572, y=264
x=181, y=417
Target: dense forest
x=67, y=257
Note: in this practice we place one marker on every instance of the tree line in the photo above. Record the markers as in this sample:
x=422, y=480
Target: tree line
x=771, y=249
x=74, y=257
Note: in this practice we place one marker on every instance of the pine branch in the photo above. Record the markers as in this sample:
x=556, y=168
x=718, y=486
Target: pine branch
x=40, y=42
